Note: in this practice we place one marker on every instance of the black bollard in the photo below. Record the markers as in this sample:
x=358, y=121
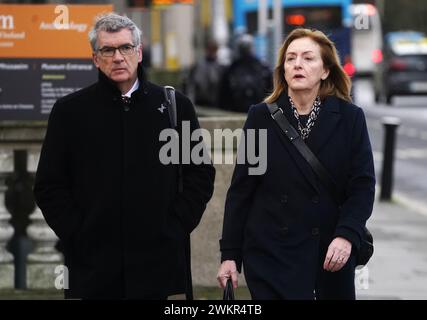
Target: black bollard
x=390, y=126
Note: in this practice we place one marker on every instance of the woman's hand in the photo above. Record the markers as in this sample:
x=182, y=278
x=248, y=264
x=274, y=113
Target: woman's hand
x=226, y=270
x=338, y=253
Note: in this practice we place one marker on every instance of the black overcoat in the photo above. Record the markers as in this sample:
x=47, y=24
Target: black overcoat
x=113, y=204
x=281, y=223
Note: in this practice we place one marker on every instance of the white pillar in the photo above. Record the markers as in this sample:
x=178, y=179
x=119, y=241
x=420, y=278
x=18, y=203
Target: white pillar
x=44, y=258
x=6, y=230
x=220, y=32
x=262, y=30
x=7, y=269
x=278, y=26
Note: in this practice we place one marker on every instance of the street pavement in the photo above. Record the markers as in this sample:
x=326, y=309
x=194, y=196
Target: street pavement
x=398, y=268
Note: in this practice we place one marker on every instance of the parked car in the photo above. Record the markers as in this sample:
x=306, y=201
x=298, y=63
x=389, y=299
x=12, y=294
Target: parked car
x=403, y=70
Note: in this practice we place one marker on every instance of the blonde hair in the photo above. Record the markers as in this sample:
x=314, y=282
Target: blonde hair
x=337, y=83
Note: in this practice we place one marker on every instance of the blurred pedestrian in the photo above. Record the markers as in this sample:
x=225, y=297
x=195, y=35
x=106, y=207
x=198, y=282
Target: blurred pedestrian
x=247, y=80
x=204, y=80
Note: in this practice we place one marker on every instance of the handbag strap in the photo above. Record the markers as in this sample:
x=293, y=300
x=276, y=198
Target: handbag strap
x=308, y=155
x=169, y=93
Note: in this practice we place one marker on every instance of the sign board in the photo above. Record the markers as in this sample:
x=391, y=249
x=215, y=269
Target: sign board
x=44, y=55
x=169, y=2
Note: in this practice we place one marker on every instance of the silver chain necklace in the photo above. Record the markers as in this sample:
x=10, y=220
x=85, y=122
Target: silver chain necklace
x=314, y=113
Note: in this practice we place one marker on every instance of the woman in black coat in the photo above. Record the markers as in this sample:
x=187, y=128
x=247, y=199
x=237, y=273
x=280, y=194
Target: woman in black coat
x=294, y=239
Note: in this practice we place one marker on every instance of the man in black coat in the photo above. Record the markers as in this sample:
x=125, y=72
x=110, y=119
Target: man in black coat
x=102, y=187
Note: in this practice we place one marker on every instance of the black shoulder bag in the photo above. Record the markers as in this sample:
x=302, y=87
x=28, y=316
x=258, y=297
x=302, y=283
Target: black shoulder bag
x=366, y=246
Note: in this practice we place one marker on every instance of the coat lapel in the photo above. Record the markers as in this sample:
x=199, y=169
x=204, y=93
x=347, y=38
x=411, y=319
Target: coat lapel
x=325, y=125
x=299, y=161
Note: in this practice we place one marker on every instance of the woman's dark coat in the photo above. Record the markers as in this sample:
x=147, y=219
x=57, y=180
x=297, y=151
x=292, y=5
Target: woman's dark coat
x=280, y=224
x=113, y=204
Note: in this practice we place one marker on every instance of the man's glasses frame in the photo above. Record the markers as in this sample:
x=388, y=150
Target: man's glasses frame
x=125, y=50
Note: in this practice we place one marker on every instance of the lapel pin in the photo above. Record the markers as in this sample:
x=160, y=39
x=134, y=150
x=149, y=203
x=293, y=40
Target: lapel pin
x=162, y=108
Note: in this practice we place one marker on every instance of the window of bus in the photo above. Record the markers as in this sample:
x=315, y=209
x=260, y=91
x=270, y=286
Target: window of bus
x=324, y=18
x=321, y=18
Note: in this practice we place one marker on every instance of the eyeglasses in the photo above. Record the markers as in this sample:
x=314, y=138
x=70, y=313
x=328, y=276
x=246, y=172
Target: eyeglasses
x=126, y=50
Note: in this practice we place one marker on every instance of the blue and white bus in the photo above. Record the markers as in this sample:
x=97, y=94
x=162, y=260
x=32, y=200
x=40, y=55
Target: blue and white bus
x=330, y=16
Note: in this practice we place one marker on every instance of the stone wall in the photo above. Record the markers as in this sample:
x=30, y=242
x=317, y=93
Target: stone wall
x=205, y=238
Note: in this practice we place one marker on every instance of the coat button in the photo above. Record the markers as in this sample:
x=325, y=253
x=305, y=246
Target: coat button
x=315, y=231
x=126, y=108
x=315, y=199
x=285, y=230
x=284, y=198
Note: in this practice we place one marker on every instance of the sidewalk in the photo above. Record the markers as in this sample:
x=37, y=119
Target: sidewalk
x=398, y=268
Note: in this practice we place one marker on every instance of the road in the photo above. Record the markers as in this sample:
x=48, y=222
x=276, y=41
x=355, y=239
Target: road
x=410, y=167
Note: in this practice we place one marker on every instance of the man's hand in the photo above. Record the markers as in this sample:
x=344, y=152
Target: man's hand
x=338, y=253
x=226, y=270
